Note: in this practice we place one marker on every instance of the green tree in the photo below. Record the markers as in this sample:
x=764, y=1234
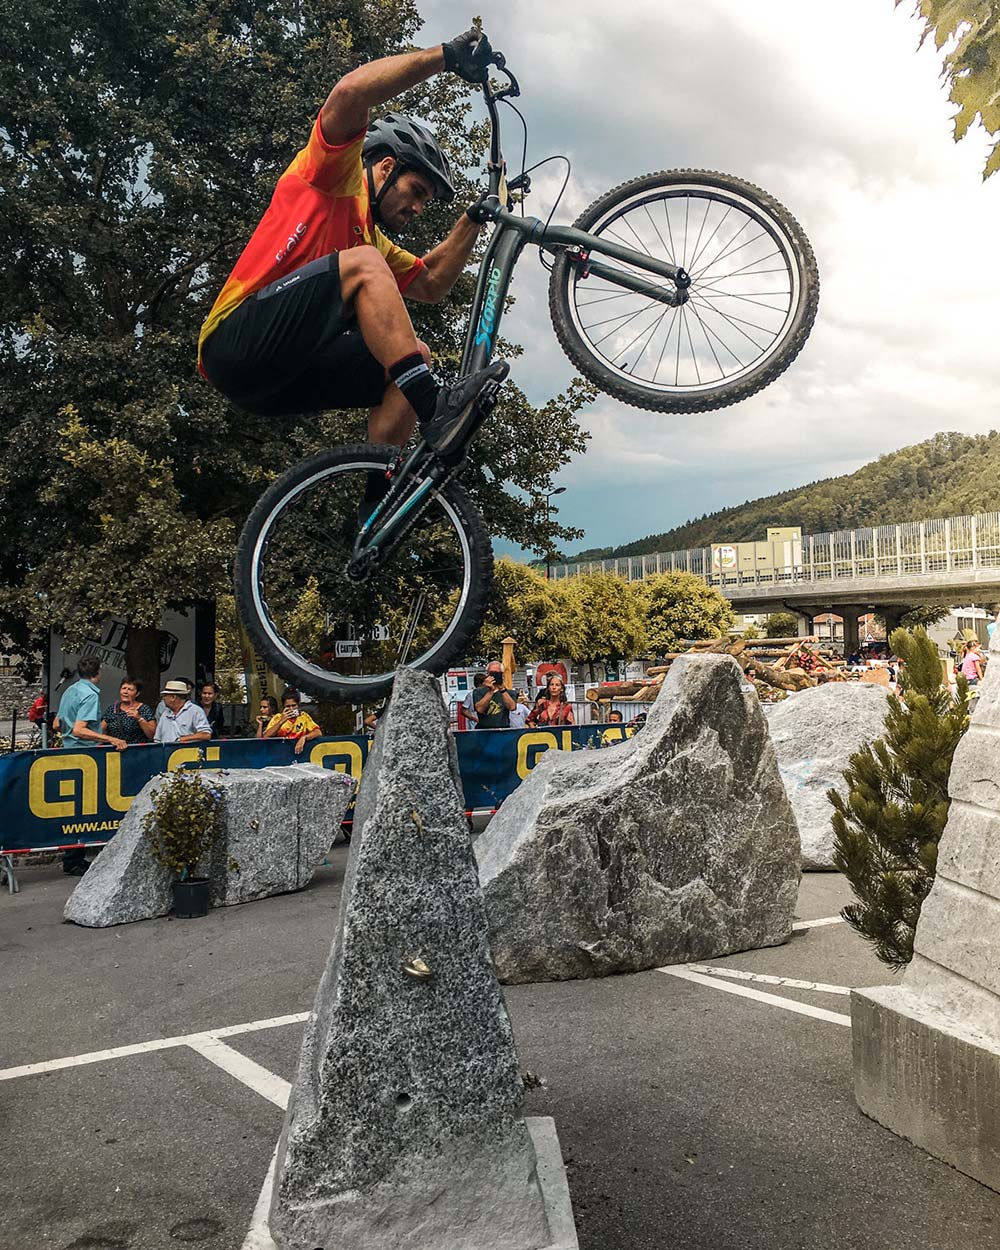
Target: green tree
x=887, y=827
x=971, y=67
x=781, y=625
x=610, y=616
x=140, y=145
x=681, y=606
x=534, y=612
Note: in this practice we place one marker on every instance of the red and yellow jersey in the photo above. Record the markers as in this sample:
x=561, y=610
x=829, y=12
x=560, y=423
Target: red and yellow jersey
x=320, y=205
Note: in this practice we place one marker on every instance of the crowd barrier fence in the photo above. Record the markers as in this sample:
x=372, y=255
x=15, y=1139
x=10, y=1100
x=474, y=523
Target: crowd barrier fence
x=60, y=799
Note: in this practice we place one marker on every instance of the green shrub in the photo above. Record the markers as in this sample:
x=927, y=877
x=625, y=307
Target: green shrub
x=185, y=820
x=888, y=826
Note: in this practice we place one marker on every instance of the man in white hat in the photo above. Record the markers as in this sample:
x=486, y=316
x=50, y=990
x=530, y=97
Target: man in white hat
x=182, y=720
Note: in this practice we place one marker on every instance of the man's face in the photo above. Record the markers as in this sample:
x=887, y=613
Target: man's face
x=174, y=702
x=407, y=198
x=495, y=673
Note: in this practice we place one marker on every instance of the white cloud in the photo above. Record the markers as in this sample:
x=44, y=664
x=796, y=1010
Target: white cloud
x=829, y=106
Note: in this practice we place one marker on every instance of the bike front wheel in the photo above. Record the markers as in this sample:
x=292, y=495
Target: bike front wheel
x=340, y=637
x=752, y=300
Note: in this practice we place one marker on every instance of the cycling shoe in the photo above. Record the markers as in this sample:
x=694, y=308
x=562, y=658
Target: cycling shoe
x=456, y=408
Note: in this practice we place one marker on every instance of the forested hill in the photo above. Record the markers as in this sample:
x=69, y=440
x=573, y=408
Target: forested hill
x=948, y=475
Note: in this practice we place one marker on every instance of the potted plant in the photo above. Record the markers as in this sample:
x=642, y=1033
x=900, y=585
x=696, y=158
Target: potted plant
x=185, y=820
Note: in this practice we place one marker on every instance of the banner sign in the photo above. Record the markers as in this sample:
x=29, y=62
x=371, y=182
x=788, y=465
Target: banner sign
x=61, y=797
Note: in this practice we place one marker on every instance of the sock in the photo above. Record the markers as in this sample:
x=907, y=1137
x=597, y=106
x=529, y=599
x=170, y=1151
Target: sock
x=418, y=384
x=376, y=488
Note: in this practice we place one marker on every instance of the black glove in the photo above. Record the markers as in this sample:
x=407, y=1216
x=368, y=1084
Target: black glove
x=469, y=56
x=478, y=212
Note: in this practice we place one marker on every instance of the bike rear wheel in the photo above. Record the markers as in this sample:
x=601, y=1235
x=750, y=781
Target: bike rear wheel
x=753, y=295
x=342, y=639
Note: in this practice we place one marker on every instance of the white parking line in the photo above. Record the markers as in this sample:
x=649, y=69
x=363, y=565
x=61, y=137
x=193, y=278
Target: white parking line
x=684, y=973
x=263, y=1082
x=815, y=924
x=141, y=1048
x=738, y=974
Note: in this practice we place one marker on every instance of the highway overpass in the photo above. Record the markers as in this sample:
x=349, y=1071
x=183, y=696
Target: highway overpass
x=885, y=568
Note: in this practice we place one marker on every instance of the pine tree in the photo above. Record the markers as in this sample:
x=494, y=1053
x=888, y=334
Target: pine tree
x=888, y=826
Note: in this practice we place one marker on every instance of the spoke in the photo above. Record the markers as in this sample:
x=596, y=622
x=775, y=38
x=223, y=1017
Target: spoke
x=725, y=346
x=637, y=238
x=736, y=322
x=729, y=252
x=652, y=334
x=701, y=230
x=638, y=312
x=697, y=255
x=722, y=253
x=687, y=210
x=694, y=354
x=663, y=349
x=711, y=348
x=594, y=325
x=746, y=298
x=629, y=346
x=586, y=303
x=670, y=257
x=670, y=233
x=748, y=269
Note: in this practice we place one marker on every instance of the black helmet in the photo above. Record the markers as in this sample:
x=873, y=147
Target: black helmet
x=414, y=147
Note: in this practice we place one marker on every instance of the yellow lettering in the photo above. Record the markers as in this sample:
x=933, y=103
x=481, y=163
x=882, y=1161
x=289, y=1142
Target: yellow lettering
x=567, y=739
x=537, y=742
x=348, y=752
x=114, y=798
x=80, y=794
x=191, y=755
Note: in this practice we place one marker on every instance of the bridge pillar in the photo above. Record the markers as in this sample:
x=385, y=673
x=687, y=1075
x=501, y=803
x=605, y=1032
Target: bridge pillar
x=892, y=617
x=852, y=633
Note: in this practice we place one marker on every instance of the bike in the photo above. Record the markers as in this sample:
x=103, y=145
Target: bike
x=680, y=291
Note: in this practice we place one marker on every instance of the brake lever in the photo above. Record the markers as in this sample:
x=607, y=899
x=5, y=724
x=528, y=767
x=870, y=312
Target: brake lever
x=513, y=87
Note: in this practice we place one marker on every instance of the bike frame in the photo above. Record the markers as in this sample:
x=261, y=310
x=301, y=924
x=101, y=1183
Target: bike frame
x=402, y=505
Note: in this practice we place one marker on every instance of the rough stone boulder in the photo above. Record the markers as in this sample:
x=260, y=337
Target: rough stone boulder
x=678, y=844
x=279, y=823
x=815, y=733
x=404, y=1127
x=927, y=1050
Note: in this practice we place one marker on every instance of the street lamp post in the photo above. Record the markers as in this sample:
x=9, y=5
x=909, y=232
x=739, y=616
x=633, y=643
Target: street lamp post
x=559, y=490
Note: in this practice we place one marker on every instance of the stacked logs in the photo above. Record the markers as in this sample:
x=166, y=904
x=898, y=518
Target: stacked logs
x=799, y=664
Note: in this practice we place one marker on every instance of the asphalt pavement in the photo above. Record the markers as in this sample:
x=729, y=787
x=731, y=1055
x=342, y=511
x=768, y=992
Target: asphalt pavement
x=712, y=1113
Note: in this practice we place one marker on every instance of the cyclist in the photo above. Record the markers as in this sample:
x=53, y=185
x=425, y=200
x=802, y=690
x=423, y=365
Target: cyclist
x=312, y=316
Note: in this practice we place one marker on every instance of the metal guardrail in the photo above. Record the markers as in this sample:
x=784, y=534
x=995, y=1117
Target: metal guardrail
x=945, y=545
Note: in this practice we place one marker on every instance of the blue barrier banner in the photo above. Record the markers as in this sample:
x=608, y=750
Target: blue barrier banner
x=65, y=797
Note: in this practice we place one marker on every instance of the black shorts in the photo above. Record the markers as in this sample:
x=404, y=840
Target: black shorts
x=293, y=348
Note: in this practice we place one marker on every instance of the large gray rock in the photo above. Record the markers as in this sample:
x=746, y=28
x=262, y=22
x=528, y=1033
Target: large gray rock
x=678, y=844
x=927, y=1051
x=404, y=1127
x=815, y=733
x=278, y=825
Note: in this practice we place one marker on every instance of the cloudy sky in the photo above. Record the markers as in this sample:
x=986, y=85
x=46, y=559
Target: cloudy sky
x=829, y=106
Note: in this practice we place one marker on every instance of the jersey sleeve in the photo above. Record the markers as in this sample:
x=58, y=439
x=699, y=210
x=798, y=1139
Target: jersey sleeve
x=334, y=169
x=403, y=264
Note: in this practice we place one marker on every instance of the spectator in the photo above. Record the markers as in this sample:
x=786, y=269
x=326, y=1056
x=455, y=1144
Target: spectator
x=208, y=697
x=161, y=707
x=79, y=716
x=291, y=722
x=268, y=710
x=972, y=664
x=128, y=718
x=469, y=702
x=615, y=731
x=990, y=628
x=520, y=711
x=553, y=707
x=492, y=701
x=182, y=720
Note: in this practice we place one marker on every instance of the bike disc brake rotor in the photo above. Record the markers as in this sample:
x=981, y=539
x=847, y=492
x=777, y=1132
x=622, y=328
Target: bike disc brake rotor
x=327, y=623
x=743, y=295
